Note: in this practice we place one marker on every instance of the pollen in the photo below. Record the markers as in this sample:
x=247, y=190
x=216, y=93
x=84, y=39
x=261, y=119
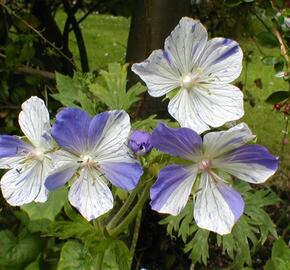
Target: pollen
x=87, y=160
x=204, y=165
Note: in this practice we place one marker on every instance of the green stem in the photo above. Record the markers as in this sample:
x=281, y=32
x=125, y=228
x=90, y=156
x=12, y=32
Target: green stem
x=130, y=217
x=135, y=236
x=100, y=261
x=116, y=219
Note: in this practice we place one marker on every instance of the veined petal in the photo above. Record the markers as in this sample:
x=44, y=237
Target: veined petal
x=170, y=192
x=34, y=122
x=158, y=72
x=182, y=142
x=207, y=106
x=218, y=104
x=251, y=163
x=11, y=162
x=59, y=177
x=65, y=166
x=90, y=195
x=185, y=44
x=12, y=146
x=220, y=142
x=25, y=183
x=217, y=206
x=111, y=136
x=221, y=61
x=184, y=109
x=123, y=174
x=71, y=129
x=62, y=158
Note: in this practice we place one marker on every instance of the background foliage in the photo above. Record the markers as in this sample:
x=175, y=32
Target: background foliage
x=73, y=53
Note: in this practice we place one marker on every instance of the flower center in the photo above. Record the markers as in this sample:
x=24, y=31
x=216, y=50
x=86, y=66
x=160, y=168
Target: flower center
x=37, y=154
x=204, y=165
x=87, y=160
x=187, y=81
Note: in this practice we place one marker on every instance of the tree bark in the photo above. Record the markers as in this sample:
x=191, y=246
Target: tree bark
x=152, y=21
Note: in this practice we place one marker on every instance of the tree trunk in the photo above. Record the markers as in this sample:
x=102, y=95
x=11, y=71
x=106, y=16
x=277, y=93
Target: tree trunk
x=152, y=21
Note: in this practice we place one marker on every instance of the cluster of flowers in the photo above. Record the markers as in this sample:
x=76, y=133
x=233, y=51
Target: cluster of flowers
x=90, y=152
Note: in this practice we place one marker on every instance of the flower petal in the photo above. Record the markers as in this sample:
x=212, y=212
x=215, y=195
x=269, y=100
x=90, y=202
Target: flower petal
x=158, y=72
x=170, y=192
x=90, y=195
x=182, y=142
x=125, y=175
x=71, y=129
x=217, y=206
x=221, y=61
x=34, y=122
x=207, y=106
x=25, y=183
x=12, y=146
x=11, y=162
x=59, y=177
x=183, y=108
x=251, y=163
x=65, y=166
x=220, y=142
x=111, y=138
x=185, y=44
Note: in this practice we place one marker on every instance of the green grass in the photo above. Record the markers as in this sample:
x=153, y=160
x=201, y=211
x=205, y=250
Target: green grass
x=106, y=38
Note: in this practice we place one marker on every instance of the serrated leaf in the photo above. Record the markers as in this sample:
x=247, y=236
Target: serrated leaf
x=74, y=256
x=49, y=209
x=117, y=256
x=198, y=247
x=16, y=252
x=280, y=259
x=277, y=97
x=267, y=39
x=111, y=86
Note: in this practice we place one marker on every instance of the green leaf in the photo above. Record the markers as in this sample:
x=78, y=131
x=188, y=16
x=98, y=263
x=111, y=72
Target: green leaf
x=82, y=230
x=72, y=92
x=16, y=252
x=50, y=208
x=74, y=256
x=270, y=60
x=280, y=259
x=198, y=247
x=233, y=3
x=117, y=256
x=268, y=39
x=277, y=97
x=111, y=87
x=67, y=90
x=34, y=265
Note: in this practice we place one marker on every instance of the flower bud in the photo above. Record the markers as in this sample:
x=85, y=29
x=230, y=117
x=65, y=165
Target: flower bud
x=140, y=142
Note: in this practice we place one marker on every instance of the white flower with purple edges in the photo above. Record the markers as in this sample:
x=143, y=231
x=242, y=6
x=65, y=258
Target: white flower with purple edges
x=197, y=72
x=94, y=153
x=28, y=160
x=217, y=205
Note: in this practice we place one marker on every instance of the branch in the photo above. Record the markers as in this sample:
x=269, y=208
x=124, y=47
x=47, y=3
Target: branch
x=78, y=35
x=33, y=71
x=37, y=33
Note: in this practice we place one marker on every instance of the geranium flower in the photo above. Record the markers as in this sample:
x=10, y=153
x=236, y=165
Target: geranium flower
x=28, y=161
x=94, y=152
x=196, y=73
x=217, y=206
x=140, y=142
